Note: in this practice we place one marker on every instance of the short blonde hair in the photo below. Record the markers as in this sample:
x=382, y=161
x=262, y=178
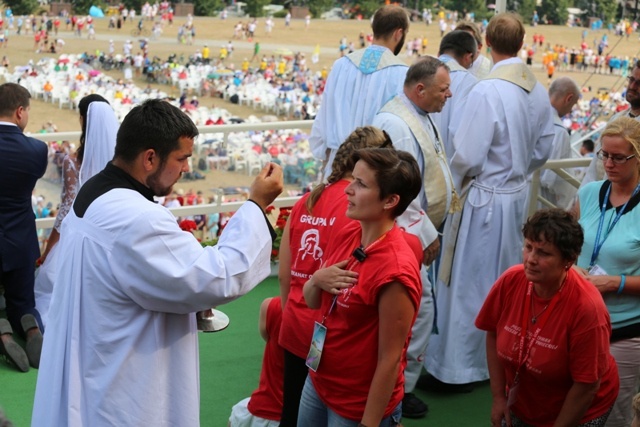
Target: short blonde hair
x=627, y=129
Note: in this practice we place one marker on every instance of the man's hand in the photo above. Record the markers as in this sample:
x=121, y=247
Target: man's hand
x=267, y=185
x=431, y=252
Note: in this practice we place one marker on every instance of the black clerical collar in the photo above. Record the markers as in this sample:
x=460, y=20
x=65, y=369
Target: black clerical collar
x=110, y=178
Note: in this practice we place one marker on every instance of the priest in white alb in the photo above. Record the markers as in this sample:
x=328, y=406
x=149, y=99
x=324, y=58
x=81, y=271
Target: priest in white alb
x=505, y=133
x=121, y=346
x=407, y=120
x=359, y=84
x=458, y=49
x=563, y=95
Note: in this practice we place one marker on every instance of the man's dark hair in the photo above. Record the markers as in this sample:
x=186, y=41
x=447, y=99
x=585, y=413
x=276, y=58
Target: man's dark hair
x=396, y=172
x=12, y=96
x=589, y=145
x=423, y=71
x=387, y=19
x=457, y=44
x=154, y=124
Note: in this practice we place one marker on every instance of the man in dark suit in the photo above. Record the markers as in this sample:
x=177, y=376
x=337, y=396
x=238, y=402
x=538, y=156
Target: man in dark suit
x=23, y=161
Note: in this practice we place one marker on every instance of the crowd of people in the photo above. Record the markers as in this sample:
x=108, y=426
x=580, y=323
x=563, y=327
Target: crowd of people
x=422, y=210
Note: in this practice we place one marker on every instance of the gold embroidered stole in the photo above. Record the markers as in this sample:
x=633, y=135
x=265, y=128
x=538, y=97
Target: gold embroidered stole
x=518, y=74
x=434, y=178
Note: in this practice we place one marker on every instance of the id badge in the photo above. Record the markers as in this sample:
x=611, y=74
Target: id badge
x=317, y=343
x=596, y=270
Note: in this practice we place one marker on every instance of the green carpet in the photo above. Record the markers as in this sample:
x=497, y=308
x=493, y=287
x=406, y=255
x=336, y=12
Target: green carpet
x=230, y=364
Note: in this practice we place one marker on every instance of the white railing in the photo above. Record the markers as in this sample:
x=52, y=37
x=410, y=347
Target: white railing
x=558, y=166
x=224, y=129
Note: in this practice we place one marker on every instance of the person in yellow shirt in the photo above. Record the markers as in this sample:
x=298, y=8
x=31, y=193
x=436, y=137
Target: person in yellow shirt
x=425, y=43
x=263, y=64
x=282, y=67
x=205, y=54
x=245, y=65
x=324, y=73
x=223, y=53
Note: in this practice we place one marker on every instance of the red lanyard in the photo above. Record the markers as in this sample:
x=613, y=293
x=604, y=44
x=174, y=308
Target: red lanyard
x=522, y=355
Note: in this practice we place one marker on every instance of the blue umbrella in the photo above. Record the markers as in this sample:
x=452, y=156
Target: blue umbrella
x=96, y=12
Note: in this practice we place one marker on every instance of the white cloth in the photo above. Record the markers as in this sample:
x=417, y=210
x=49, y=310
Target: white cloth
x=505, y=134
x=462, y=81
x=242, y=417
x=100, y=139
x=553, y=188
x=122, y=347
x=351, y=99
x=481, y=67
x=99, y=147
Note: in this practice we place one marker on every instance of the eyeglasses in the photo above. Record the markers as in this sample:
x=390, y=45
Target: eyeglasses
x=617, y=159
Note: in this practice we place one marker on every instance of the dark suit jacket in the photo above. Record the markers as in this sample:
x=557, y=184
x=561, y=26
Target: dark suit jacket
x=23, y=161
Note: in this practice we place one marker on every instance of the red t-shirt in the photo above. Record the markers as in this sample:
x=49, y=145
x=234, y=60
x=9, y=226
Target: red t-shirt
x=309, y=237
x=350, y=353
x=573, y=346
x=266, y=401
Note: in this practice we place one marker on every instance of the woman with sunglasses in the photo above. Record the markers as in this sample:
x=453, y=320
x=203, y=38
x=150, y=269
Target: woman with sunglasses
x=608, y=212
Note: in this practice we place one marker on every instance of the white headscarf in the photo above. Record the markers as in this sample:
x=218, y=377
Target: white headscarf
x=100, y=139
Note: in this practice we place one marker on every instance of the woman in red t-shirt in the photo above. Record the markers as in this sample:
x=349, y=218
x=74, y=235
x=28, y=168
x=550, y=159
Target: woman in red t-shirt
x=368, y=302
x=548, y=334
x=314, y=219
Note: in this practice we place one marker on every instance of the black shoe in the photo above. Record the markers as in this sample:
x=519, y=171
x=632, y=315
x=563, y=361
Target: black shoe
x=34, y=339
x=431, y=383
x=413, y=407
x=14, y=354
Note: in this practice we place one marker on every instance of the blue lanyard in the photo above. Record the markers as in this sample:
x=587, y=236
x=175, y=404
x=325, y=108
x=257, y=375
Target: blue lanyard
x=598, y=244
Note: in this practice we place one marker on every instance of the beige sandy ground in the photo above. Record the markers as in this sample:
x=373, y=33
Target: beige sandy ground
x=215, y=32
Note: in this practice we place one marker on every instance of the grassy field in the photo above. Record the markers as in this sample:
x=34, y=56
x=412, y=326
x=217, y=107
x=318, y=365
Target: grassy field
x=326, y=34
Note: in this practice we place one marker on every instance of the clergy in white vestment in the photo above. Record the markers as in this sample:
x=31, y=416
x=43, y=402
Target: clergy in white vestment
x=359, y=84
x=121, y=346
x=406, y=118
x=563, y=95
x=506, y=133
x=595, y=170
x=481, y=66
x=458, y=49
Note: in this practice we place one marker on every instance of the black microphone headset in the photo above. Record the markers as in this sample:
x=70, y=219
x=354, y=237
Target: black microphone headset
x=359, y=254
